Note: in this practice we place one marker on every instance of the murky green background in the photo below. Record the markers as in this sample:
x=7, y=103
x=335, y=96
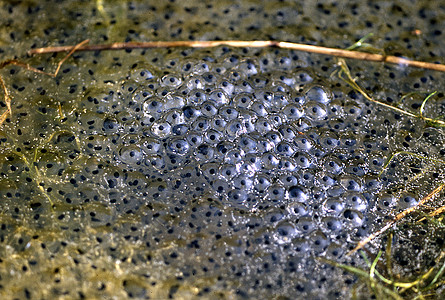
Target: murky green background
x=78, y=221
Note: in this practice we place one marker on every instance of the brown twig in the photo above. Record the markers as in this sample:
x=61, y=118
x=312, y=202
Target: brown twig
x=253, y=44
x=400, y=216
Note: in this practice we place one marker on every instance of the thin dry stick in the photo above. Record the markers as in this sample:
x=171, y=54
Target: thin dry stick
x=400, y=216
x=252, y=44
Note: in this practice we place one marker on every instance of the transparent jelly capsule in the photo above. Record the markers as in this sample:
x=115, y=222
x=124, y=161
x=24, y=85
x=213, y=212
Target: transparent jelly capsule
x=242, y=100
x=407, y=200
x=306, y=225
x=218, y=97
x=228, y=112
x=190, y=113
x=353, y=218
x=298, y=209
x=334, y=206
x=306, y=177
x=276, y=193
x=179, y=146
x=243, y=182
x=287, y=164
x=210, y=78
x=234, y=156
x=285, y=232
x=351, y=183
x=288, y=179
x=141, y=74
x=386, y=201
x=298, y=194
x=264, y=145
x=247, y=67
x=293, y=111
x=174, y=117
x=332, y=164
x=221, y=186
x=155, y=161
x=226, y=86
x=228, y=171
x=303, y=143
x=315, y=111
x=204, y=152
x=131, y=154
x=251, y=164
x=237, y=198
x=263, y=125
x=180, y=129
x=210, y=170
x=318, y=242
x=235, y=128
x=285, y=149
x=318, y=94
x=194, y=138
x=258, y=108
x=270, y=161
x=171, y=80
x=213, y=137
x=303, y=160
x=247, y=144
x=244, y=86
x=329, y=140
x=196, y=97
x=262, y=183
x=260, y=81
x=332, y=224
x=151, y=145
x=355, y=201
x=218, y=123
x=153, y=106
x=279, y=101
x=201, y=124
x=161, y=129
x=208, y=109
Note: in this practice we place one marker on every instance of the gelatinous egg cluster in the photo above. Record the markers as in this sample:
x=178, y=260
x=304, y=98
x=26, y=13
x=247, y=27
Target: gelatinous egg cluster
x=215, y=173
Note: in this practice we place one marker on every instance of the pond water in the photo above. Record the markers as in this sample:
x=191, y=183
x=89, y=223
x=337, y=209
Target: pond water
x=213, y=173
